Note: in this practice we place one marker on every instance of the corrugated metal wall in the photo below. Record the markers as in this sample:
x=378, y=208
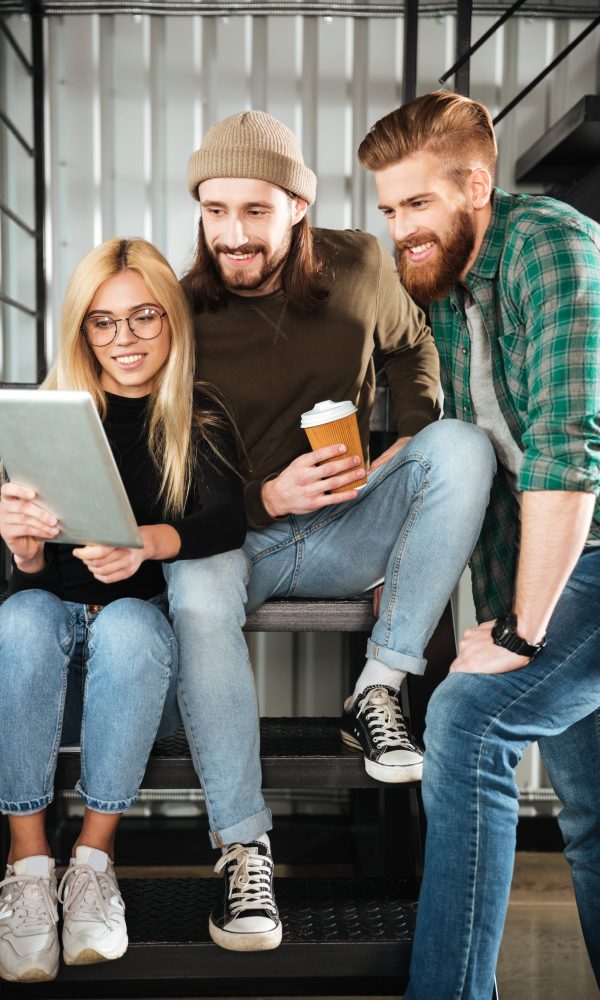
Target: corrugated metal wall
x=129, y=97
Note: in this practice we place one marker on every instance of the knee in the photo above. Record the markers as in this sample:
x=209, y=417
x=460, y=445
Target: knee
x=212, y=591
x=131, y=637
x=464, y=450
x=34, y=620
x=465, y=738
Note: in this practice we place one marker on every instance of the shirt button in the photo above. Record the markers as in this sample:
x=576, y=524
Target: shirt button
x=465, y=351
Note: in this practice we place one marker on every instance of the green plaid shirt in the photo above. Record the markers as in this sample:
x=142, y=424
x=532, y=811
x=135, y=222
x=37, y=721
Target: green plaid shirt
x=536, y=281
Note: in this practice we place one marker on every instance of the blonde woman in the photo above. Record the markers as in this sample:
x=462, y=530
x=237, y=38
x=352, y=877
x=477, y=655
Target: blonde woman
x=86, y=647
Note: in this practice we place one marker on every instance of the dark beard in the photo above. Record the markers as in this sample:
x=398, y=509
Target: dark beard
x=429, y=282
x=241, y=281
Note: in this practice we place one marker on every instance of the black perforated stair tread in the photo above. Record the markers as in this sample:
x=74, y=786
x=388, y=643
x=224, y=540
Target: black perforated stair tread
x=295, y=753
x=338, y=927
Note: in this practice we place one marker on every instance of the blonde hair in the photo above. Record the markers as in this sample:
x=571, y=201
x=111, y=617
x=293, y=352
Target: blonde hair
x=173, y=425
x=459, y=131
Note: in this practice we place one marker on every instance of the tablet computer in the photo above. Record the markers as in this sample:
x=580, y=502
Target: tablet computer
x=54, y=442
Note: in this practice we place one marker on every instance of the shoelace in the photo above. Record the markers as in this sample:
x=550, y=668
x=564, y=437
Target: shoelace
x=250, y=880
x=33, y=895
x=85, y=892
x=385, y=719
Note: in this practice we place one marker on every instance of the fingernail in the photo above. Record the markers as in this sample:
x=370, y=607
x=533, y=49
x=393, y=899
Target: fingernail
x=356, y=460
x=341, y=448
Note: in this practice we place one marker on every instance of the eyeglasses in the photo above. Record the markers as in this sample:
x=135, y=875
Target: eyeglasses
x=145, y=324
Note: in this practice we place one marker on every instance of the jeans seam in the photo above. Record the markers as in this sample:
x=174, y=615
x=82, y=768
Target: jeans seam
x=50, y=770
x=186, y=717
x=415, y=508
x=299, y=540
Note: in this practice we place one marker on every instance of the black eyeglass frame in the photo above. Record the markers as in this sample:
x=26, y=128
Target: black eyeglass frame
x=126, y=319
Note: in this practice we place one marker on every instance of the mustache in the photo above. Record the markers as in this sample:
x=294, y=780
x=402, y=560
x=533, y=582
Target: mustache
x=246, y=248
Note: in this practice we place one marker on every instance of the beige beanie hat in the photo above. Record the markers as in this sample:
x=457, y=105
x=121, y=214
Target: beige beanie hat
x=256, y=145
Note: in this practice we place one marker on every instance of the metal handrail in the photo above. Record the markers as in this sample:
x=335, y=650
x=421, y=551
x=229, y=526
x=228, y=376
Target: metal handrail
x=466, y=56
x=555, y=62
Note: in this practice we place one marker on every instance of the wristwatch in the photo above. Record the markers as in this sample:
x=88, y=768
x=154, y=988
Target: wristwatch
x=504, y=633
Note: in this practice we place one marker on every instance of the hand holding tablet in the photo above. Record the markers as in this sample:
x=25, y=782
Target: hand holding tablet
x=57, y=456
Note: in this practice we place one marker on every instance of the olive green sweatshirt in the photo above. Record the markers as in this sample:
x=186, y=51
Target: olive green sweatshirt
x=272, y=362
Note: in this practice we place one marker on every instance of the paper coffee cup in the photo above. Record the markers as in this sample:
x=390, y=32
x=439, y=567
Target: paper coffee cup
x=335, y=423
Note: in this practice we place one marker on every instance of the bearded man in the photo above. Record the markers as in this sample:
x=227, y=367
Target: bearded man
x=285, y=317
x=514, y=288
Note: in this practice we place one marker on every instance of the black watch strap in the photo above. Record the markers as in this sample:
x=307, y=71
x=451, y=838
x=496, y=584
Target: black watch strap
x=504, y=633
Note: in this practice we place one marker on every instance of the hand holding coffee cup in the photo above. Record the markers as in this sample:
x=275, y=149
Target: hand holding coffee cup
x=330, y=423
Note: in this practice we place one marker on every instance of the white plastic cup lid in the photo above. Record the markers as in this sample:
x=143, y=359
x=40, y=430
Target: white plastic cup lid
x=326, y=412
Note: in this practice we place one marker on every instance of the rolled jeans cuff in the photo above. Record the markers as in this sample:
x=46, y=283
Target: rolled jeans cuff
x=25, y=808
x=397, y=661
x=99, y=805
x=242, y=833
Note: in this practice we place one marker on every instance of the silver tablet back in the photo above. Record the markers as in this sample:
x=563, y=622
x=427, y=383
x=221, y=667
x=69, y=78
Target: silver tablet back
x=54, y=443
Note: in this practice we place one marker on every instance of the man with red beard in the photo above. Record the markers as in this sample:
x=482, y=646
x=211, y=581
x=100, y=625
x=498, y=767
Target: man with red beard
x=513, y=284
x=286, y=317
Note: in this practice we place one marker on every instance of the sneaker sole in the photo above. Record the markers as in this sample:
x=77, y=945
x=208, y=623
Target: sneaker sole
x=31, y=976
x=261, y=941
x=391, y=774
x=89, y=956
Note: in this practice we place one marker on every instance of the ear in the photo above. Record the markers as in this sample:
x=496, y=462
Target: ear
x=481, y=187
x=299, y=210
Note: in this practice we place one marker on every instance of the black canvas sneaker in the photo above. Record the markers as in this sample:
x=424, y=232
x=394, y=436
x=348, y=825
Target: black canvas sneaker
x=248, y=919
x=375, y=725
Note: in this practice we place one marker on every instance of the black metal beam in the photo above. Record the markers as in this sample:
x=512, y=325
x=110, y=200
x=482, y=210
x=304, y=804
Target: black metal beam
x=37, y=51
x=12, y=41
x=17, y=134
x=464, y=16
x=466, y=56
x=16, y=219
x=411, y=30
x=555, y=62
x=17, y=305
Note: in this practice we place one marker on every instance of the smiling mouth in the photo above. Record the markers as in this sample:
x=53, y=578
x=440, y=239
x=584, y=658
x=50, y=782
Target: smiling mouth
x=421, y=248
x=125, y=360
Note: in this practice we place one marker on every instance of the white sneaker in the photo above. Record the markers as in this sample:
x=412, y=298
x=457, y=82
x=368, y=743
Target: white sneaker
x=29, y=950
x=94, y=928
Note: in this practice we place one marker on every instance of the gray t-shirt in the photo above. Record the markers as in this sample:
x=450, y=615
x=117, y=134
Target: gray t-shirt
x=486, y=408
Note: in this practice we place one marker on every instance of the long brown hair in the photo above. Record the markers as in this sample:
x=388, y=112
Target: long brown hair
x=175, y=425
x=453, y=127
x=302, y=277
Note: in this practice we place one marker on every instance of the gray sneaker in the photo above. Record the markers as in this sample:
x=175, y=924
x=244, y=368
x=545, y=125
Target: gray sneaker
x=94, y=928
x=29, y=949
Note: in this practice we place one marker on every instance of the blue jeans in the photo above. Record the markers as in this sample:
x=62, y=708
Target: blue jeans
x=106, y=675
x=415, y=522
x=216, y=692
x=477, y=728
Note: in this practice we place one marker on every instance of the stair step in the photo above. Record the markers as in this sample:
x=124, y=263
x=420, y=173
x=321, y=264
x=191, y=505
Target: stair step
x=354, y=614
x=568, y=149
x=295, y=753
x=333, y=928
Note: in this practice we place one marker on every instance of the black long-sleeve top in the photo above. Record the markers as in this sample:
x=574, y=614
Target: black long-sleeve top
x=213, y=522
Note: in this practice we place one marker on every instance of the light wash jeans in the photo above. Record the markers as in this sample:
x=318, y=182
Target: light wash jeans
x=107, y=673
x=477, y=728
x=415, y=522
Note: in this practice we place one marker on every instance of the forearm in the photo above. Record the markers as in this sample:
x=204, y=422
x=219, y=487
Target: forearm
x=554, y=528
x=161, y=541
